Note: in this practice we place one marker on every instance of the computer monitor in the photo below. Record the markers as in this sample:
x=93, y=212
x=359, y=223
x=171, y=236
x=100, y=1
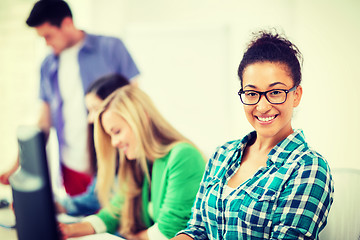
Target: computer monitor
x=31, y=188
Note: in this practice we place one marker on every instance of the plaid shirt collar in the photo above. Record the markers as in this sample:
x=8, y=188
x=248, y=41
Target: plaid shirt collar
x=278, y=155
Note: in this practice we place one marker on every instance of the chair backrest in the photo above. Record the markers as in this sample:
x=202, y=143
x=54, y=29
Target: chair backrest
x=344, y=217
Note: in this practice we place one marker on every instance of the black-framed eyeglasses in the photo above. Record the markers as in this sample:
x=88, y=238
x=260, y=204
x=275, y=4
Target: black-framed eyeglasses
x=273, y=96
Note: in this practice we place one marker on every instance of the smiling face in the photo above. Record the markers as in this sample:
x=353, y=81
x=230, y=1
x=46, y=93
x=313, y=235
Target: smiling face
x=122, y=136
x=270, y=120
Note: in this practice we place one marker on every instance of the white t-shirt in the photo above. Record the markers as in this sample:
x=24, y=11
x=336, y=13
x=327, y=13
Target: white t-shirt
x=75, y=154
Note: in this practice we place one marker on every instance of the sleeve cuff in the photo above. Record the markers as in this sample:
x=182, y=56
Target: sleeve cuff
x=96, y=222
x=155, y=234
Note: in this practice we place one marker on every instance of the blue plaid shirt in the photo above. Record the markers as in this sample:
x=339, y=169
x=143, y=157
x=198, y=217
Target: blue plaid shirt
x=290, y=198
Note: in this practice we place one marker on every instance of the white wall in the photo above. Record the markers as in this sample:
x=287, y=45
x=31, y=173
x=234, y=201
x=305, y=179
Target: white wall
x=188, y=52
x=18, y=76
x=327, y=33
x=329, y=36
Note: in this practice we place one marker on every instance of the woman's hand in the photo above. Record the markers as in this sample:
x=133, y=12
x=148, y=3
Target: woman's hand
x=138, y=236
x=75, y=229
x=4, y=177
x=64, y=229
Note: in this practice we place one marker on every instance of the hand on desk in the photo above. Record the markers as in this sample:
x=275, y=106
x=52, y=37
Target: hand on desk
x=4, y=177
x=75, y=229
x=142, y=235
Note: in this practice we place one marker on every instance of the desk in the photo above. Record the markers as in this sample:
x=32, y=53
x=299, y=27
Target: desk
x=7, y=218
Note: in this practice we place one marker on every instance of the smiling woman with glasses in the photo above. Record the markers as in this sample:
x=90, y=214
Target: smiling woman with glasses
x=269, y=184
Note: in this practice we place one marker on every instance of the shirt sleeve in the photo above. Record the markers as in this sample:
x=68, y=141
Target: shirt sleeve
x=96, y=222
x=48, y=65
x=110, y=215
x=195, y=226
x=125, y=63
x=185, y=169
x=305, y=202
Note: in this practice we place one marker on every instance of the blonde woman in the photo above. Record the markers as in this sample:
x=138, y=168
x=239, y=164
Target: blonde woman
x=159, y=171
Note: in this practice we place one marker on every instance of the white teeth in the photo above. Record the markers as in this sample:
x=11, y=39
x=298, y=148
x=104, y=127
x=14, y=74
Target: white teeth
x=266, y=119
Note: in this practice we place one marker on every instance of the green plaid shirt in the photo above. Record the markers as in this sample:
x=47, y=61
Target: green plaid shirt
x=290, y=198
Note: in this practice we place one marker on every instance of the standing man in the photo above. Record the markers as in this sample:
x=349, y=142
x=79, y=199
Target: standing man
x=78, y=59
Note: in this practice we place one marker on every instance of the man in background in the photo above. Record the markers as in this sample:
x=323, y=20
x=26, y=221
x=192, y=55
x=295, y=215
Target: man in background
x=77, y=59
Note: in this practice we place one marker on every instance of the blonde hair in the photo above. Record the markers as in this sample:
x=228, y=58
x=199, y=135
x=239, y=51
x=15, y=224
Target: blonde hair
x=155, y=138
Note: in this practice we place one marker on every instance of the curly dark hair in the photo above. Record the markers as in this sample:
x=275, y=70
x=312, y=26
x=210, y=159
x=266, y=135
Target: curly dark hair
x=270, y=46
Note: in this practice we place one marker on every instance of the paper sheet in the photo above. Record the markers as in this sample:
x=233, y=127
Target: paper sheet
x=100, y=236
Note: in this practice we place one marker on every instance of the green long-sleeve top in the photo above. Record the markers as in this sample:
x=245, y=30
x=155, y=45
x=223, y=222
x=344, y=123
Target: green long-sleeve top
x=174, y=183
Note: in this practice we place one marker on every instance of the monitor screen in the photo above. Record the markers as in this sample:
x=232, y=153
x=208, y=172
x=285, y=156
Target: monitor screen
x=31, y=188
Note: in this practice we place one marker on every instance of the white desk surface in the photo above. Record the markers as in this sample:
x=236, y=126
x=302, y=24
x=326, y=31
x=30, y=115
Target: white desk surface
x=6, y=216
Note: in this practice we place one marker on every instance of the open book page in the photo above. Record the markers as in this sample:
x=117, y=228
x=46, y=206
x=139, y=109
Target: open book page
x=100, y=236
